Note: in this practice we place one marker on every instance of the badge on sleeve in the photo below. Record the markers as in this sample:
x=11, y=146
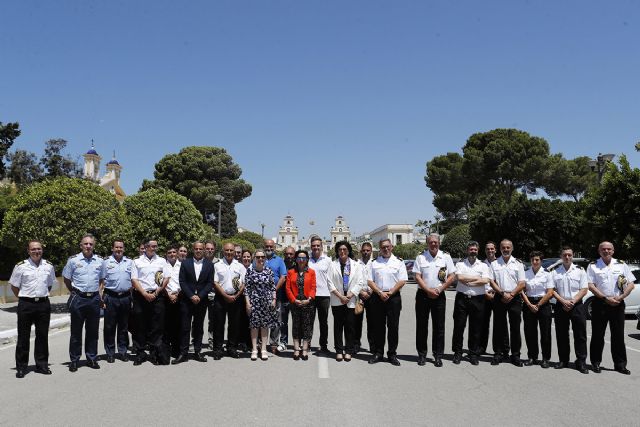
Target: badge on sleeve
x=159, y=278
x=621, y=282
x=442, y=274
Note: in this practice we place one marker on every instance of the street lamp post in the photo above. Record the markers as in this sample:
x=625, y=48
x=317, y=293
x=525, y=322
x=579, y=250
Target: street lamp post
x=219, y=198
x=262, y=224
x=599, y=163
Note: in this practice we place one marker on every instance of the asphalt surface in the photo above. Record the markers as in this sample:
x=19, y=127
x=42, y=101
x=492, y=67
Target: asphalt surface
x=321, y=391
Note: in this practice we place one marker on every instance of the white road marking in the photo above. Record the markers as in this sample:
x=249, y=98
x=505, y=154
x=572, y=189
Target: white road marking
x=323, y=367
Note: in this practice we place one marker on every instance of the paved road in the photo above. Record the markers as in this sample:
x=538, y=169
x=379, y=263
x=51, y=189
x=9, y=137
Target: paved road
x=320, y=391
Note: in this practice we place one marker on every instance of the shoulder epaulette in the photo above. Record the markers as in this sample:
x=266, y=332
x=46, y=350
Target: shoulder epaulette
x=592, y=262
x=619, y=261
x=445, y=252
x=553, y=267
x=580, y=267
x=400, y=259
x=21, y=262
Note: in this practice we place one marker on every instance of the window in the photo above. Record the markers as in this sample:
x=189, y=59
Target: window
x=334, y=239
x=340, y=230
x=398, y=239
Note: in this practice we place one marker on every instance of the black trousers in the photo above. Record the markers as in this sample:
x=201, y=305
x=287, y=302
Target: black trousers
x=35, y=313
x=322, y=309
x=172, y=326
x=221, y=310
x=149, y=320
x=437, y=308
x=513, y=311
x=192, y=321
x=344, y=319
x=489, y=307
x=471, y=308
x=601, y=314
x=578, y=318
x=84, y=312
x=534, y=321
x=116, y=323
x=385, y=316
x=357, y=334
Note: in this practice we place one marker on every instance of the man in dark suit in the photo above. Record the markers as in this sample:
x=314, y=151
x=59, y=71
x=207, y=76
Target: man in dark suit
x=196, y=281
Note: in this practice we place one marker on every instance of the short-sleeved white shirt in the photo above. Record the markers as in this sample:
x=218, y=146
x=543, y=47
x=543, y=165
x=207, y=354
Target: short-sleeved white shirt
x=434, y=268
x=173, y=273
x=605, y=277
x=322, y=267
x=34, y=281
x=145, y=269
x=479, y=269
x=226, y=272
x=537, y=283
x=569, y=282
x=386, y=272
x=508, y=274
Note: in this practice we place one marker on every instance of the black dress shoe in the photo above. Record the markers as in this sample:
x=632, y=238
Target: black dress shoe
x=324, y=349
x=124, y=357
x=457, y=357
x=375, y=359
x=394, y=360
x=544, y=364
x=437, y=362
x=495, y=361
x=232, y=353
x=111, y=359
x=93, y=364
x=623, y=371
x=73, y=366
x=530, y=362
x=474, y=360
x=199, y=357
x=515, y=361
x=596, y=368
x=217, y=356
x=43, y=370
x=180, y=359
x=422, y=360
x=582, y=369
x=561, y=365
x=20, y=373
x=139, y=360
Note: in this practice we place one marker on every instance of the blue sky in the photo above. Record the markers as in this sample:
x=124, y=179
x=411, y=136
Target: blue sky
x=330, y=108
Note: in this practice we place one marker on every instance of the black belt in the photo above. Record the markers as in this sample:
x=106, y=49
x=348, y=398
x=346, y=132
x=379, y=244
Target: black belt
x=471, y=296
x=117, y=294
x=535, y=299
x=84, y=294
x=36, y=299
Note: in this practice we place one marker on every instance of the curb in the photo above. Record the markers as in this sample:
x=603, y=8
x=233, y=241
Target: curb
x=11, y=335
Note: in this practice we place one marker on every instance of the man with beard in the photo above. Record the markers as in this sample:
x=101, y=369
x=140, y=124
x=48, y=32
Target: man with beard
x=365, y=293
x=276, y=264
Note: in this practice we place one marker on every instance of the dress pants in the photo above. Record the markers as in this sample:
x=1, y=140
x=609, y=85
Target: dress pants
x=322, y=308
x=437, y=308
x=357, y=326
x=578, y=318
x=116, y=323
x=601, y=314
x=221, y=310
x=172, y=326
x=513, y=311
x=344, y=319
x=280, y=334
x=472, y=308
x=149, y=326
x=192, y=319
x=385, y=316
x=489, y=307
x=84, y=312
x=38, y=313
x=533, y=321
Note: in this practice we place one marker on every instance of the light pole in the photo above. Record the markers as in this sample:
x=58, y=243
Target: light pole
x=262, y=224
x=599, y=163
x=219, y=198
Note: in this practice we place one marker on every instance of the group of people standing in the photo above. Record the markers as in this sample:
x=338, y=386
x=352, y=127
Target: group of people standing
x=163, y=303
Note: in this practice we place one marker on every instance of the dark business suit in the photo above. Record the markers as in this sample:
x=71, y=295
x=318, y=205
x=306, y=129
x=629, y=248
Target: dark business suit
x=190, y=312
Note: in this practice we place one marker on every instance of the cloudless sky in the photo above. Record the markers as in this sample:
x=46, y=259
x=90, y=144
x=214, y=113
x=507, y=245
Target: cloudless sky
x=330, y=107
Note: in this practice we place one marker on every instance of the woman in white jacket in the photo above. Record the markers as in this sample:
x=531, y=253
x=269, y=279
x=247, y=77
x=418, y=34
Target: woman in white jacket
x=346, y=279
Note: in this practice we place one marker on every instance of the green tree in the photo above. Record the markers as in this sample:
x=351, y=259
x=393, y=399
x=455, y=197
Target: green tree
x=56, y=163
x=456, y=240
x=446, y=180
x=612, y=209
x=199, y=174
x=166, y=216
x=568, y=177
x=256, y=240
x=8, y=134
x=241, y=242
x=58, y=212
x=23, y=167
x=408, y=250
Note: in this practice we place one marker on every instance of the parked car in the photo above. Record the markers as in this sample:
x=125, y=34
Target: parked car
x=408, y=263
x=632, y=302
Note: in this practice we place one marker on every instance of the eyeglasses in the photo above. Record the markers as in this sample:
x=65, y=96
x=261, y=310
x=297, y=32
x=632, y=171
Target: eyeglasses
x=302, y=258
x=259, y=257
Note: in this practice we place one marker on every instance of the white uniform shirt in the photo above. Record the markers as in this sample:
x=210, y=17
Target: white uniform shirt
x=173, y=272
x=34, y=281
x=226, y=272
x=478, y=269
x=537, y=283
x=386, y=272
x=322, y=267
x=508, y=274
x=366, y=273
x=487, y=287
x=605, y=277
x=430, y=267
x=569, y=282
x=145, y=269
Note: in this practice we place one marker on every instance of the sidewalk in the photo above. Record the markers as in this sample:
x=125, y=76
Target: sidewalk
x=9, y=319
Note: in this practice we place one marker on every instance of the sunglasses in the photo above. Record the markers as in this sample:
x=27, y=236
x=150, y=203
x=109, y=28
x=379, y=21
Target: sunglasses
x=259, y=257
x=302, y=258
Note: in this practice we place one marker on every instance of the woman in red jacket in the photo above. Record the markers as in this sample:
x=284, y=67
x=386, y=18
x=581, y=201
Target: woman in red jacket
x=301, y=290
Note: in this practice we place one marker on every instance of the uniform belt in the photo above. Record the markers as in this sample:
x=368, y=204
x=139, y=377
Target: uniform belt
x=535, y=299
x=36, y=299
x=471, y=296
x=84, y=294
x=117, y=294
